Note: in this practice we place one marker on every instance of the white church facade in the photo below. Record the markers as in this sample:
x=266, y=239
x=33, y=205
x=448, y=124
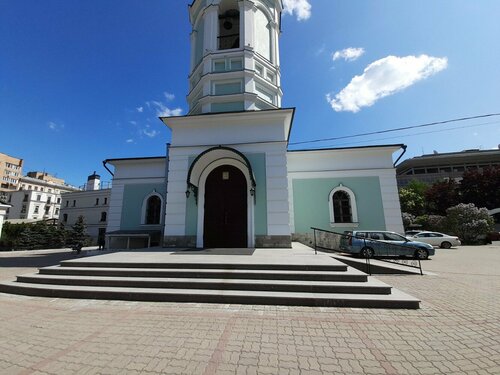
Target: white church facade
x=228, y=178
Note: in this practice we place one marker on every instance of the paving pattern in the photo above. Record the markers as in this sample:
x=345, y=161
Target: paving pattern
x=457, y=330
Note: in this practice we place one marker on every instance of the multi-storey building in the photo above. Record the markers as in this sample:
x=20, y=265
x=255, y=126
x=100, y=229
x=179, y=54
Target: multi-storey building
x=11, y=169
x=92, y=203
x=38, y=198
x=434, y=167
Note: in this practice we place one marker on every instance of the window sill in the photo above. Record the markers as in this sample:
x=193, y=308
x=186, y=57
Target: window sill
x=341, y=225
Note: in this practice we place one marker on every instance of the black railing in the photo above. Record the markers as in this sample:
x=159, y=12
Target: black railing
x=366, y=248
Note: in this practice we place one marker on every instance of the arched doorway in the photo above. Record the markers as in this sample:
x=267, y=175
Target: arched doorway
x=225, y=213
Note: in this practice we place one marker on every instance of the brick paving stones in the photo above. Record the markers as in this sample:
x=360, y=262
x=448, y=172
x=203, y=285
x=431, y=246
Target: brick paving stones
x=457, y=330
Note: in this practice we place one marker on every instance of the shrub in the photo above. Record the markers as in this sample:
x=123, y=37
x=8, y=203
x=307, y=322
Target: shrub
x=469, y=222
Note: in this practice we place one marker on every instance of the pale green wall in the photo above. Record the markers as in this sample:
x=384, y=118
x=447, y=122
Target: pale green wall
x=258, y=163
x=311, y=206
x=133, y=197
x=228, y=107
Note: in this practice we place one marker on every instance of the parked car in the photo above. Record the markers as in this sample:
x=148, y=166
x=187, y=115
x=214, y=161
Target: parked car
x=369, y=243
x=437, y=239
x=411, y=233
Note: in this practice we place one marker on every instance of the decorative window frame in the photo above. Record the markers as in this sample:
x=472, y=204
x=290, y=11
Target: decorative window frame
x=354, y=207
x=145, y=207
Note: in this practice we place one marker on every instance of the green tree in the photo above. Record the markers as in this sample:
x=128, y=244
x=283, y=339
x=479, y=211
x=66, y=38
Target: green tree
x=78, y=234
x=469, y=222
x=412, y=197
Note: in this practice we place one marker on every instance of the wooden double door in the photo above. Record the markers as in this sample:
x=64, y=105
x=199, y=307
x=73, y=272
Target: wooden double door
x=225, y=218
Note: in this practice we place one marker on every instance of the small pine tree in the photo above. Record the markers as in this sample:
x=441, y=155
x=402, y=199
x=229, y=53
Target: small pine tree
x=78, y=234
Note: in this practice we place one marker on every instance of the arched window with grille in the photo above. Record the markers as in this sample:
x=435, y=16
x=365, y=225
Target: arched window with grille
x=152, y=209
x=343, y=209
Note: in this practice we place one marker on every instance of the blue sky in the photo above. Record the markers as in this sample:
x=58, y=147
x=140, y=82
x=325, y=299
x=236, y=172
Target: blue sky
x=82, y=81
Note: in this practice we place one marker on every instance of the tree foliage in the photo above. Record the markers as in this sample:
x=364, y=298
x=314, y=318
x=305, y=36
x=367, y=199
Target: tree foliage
x=442, y=195
x=29, y=236
x=481, y=187
x=78, y=234
x=412, y=198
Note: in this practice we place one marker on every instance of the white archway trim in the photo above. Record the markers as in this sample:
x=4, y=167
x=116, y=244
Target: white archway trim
x=145, y=207
x=352, y=201
x=201, y=199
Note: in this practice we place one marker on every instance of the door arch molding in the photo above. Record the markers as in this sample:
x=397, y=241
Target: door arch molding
x=203, y=160
x=201, y=198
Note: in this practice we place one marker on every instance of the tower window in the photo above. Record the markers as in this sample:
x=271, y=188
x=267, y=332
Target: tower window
x=229, y=25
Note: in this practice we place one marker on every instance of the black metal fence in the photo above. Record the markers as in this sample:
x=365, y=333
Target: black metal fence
x=366, y=248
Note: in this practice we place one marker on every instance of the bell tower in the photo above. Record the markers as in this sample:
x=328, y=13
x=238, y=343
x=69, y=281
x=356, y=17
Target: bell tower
x=234, y=56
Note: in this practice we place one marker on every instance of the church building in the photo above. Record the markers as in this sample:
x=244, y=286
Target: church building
x=228, y=178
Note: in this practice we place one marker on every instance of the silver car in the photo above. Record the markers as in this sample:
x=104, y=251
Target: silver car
x=437, y=239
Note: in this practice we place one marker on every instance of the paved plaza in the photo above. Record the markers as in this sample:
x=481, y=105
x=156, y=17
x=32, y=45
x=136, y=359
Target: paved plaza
x=456, y=331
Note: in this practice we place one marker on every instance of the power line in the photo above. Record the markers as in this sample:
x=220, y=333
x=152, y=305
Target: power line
x=421, y=133
x=397, y=129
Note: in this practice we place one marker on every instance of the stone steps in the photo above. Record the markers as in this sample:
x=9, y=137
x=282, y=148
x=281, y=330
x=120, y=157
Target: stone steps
x=396, y=299
x=373, y=287
x=300, y=280
x=260, y=274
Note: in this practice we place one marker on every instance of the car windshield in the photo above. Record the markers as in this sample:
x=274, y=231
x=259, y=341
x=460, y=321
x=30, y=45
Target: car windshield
x=394, y=237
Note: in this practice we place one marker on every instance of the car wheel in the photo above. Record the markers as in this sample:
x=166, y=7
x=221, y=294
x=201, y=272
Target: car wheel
x=421, y=254
x=366, y=252
x=446, y=245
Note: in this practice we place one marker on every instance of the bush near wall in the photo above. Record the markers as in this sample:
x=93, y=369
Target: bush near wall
x=32, y=236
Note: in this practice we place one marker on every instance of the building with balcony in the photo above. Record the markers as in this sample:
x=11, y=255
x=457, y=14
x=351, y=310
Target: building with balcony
x=11, y=170
x=38, y=198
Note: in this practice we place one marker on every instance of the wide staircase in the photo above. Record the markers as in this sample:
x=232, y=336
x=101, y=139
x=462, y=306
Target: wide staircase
x=320, y=282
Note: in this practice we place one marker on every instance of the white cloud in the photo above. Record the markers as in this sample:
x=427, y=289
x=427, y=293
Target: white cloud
x=169, y=96
x=55, y=127
x=301, y=8
x=348, y=54
x=385, y=77
x=163, y=111
x=140, y=109
x=150, y=133
x=130, y=140
x=133, y=122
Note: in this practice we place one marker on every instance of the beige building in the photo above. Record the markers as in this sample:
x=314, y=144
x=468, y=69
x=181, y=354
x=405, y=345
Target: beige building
x=38, y=198
x=11, y=169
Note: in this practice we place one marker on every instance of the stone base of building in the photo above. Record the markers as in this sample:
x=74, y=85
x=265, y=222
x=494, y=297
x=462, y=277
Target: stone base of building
x=304, y=238
x=273, y=241
x=179, y=241
x=260, y=241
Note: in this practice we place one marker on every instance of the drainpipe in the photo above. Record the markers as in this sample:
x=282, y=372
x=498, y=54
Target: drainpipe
x=104, y=162
x=400, y=156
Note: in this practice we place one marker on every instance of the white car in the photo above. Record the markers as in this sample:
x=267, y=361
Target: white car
x=437, y=239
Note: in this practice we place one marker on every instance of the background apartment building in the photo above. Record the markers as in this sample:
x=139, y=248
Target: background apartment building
x=11, y=170
x=38, y=197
